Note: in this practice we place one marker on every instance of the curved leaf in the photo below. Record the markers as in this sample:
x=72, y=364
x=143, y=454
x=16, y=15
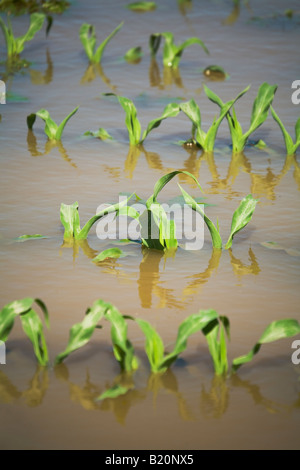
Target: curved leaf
x=63, y=123
x=98, y=54
x=241, y=217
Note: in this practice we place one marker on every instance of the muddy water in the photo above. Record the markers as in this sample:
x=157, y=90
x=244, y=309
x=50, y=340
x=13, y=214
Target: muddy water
x=188, y=407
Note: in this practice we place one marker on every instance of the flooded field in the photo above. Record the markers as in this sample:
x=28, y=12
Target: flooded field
x=188, y=407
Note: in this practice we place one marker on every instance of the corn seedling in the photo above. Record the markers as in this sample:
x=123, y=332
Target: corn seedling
x=241, y=217
x=101, y=134
x=69, y=217
x=260, y=110
x=290, y=146
x=52, y=130
x=87, y=37
x=207, y=139
x=215, y=73
x=157, y=231
x=81, y=333
x=141, y=6
x=14, y=46
x=172, y=53
x=133, y=124
x=31, y=323
x=134, y=55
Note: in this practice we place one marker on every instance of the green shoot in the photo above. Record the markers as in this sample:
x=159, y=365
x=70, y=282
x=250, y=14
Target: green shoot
x=52, y=130
x=259, y=114
x=207, y=139
x=81, y=333
x=110, y=253
x=14, y=46
x=276, y=330
x=134, y=55
x=87, y=37
x=133, y=124
x=31, y=324
x=101, y=134
x=172, y=53
x=290, y=146
x=69, y=217
x=154, y=347
x=241, y=217
x=141, y=6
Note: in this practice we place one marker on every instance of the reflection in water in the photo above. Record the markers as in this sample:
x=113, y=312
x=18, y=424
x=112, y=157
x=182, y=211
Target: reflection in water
x=170, y=76
x=39, y=78
x=235, y=13
x=92, y=71
x=49, y=145
x=184, y=6
x=168, y=382
x=33, y=395
x=214, y=403
x=240, y=269
x=149, y=282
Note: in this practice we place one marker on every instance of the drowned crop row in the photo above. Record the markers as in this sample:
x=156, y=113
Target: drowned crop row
x=204, y=139
x=215, y=328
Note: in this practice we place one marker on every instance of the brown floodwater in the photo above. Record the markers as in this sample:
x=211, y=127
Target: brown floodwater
x=187, y=407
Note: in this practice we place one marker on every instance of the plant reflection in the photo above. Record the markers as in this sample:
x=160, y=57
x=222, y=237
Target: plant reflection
x=49, y=146
x=92, y=71
x=214, y=401
x=170, y=76
x=39, y=78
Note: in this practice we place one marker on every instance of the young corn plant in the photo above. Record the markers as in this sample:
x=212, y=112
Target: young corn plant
x=133, y=124
x=154, y=347
x=241, y=217
x=290, y=146
x=14, y=46
x=31, y=323
x=172, y=53
x=69, y=217
x=88, y=39
x=207, y=139
x=260, y=110
x=157, y=230
x=52, y=130
x=81, y=333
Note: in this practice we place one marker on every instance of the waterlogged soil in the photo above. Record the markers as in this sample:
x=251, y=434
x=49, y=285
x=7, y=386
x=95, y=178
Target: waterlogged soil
x=186, y=408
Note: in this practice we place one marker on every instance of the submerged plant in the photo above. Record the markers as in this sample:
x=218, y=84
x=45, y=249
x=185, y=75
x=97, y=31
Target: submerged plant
x=31, y=323
x=290, y=146
x=133, y=124
x=134, y=55
x=172, y=53
x=141, y=6
x=69, y=217
x=14, y=46
x=81, y=333
x=52, y=130
x=260, y=110
x=241, y=217
x=207, y=139
x=88, y=38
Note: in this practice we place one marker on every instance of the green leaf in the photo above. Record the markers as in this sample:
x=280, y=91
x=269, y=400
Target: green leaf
x=123, y=349
x=134, y=55
x=81, y=333
x=132, y=123
x=216, y=340
x=192, y=324
x=114, y=392
x=87, y=37
x=99, y=52
x=50, y=126
x=241, y=217
x=261, y=106
x=161, y=183
x=214, y=232
x=141, y=6
x=36, y=23
x=69, y=218
x=110, y=253
x=289, y=144
x=154, y=346
x=276, y=330
x=31, y=120
x=23, y=238
x=9, y=312
x=171, y=110
x=215, y=72
x=33, y=328
x=61, y=127
x=154, y=43
x=101, y=134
